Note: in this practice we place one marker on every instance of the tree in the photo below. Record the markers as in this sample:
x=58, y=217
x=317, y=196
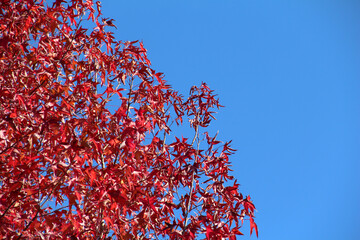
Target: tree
x=87, y=143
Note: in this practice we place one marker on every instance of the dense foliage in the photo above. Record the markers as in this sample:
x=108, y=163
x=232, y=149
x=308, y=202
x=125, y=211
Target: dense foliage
x=87, y=145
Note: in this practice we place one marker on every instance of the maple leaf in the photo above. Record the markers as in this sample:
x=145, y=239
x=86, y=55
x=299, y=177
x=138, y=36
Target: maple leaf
x=253, y=226
x=109, y=22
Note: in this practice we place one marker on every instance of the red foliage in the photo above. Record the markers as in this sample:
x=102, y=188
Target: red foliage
x=74, y=165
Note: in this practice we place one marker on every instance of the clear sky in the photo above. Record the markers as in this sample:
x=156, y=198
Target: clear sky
x=288, y=73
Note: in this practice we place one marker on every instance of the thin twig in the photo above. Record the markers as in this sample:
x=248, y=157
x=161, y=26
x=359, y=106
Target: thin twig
x=129, y=98
x=196, y=136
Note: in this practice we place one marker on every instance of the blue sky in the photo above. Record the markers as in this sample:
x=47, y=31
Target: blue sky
x=288, y=73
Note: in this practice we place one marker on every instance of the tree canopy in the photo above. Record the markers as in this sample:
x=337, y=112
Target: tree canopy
x=88, y=136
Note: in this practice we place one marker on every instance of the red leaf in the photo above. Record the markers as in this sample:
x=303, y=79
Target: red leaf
x=253, y=226
x=209, y=232
x=130, y=144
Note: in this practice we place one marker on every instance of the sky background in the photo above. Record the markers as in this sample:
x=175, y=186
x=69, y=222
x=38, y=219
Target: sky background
x=288, y=73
